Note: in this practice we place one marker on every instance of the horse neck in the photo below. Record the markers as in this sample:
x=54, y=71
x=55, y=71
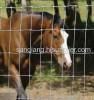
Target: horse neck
x=43, y=26
x=5, y=23
x=31, y=22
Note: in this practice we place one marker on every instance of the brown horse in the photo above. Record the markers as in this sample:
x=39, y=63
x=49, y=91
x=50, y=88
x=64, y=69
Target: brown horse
x=26, y=31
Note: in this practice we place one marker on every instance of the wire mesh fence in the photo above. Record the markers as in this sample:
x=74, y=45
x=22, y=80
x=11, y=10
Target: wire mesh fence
x=75, y=84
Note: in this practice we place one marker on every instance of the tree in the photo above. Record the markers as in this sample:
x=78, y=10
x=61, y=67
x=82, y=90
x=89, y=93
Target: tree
x=10, y=7
x=18, y=1
x=89, y=3
x=56, y=9
x=72, y=13
x=26, y=5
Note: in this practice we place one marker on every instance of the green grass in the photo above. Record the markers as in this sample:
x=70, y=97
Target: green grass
x=49, y=76
x=2, y=9
x=38, y=6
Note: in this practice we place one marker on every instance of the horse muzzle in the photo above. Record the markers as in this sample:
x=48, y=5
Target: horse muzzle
x=64, y=64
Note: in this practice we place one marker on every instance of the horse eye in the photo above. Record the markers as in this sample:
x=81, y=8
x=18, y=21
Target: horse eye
x=55, y=36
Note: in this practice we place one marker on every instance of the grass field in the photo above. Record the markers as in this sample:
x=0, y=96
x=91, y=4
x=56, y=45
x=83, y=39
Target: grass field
x=38, y=6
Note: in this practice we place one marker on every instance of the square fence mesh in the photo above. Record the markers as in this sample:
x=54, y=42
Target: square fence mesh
x=24, y=43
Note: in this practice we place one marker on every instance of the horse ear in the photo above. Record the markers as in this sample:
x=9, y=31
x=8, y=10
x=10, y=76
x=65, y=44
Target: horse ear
x=56, y=19
x=61, y=23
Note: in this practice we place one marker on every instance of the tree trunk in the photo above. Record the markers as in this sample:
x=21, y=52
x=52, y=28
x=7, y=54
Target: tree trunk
x=89, y=17
x=18, y=2
x=72, y=13
x=10, y=7
x=56, y=9
x=26, y=5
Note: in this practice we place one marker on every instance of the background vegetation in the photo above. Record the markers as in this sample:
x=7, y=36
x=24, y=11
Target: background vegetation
x=38, y=6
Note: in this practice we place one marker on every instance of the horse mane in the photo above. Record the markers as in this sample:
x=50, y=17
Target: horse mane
x=45, y=14
x=55, y=18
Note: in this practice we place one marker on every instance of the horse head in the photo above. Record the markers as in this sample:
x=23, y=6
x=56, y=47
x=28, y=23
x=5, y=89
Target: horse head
x=56, y=38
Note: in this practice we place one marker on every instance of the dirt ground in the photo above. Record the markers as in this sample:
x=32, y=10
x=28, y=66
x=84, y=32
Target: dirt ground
x=45, y=94
x=69, y=90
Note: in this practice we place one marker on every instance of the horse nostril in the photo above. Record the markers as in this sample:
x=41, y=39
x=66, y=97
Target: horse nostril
x=67, y=65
